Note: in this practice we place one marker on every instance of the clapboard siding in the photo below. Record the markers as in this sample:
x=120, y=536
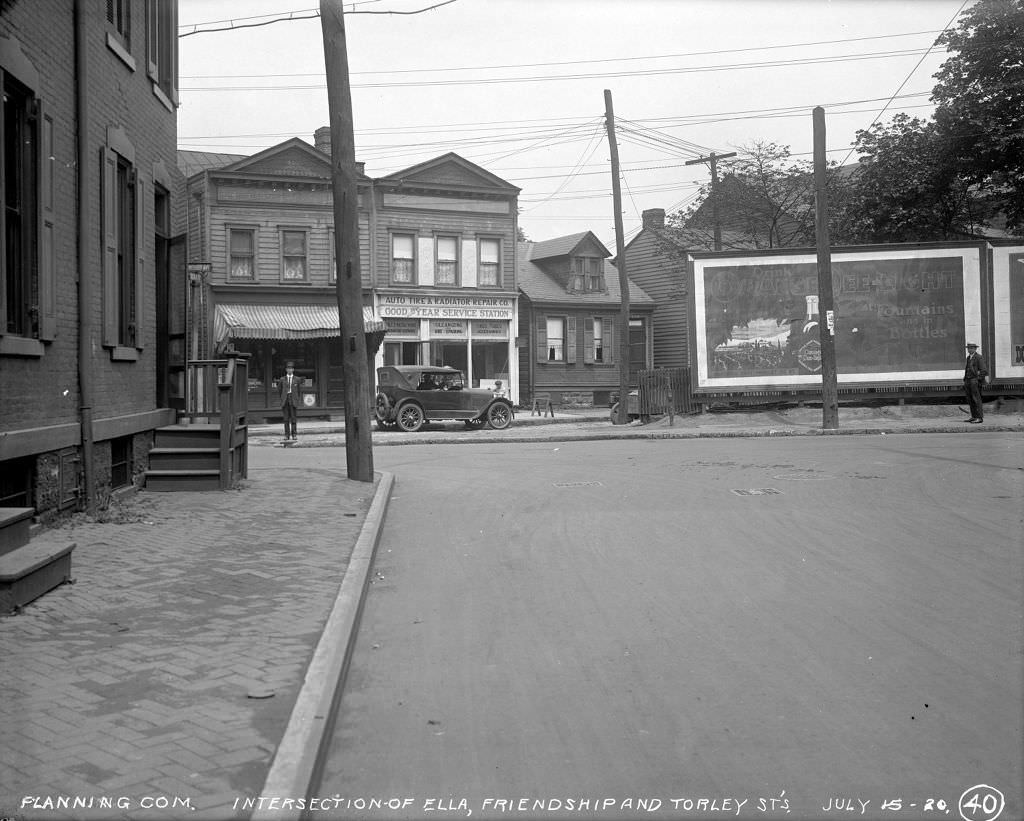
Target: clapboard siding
x=667, y=282
x=431, y=224
x=268, y=223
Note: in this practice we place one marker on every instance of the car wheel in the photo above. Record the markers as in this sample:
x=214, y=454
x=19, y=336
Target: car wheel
x=383, y=408
x=499, y=416
x=410, y=417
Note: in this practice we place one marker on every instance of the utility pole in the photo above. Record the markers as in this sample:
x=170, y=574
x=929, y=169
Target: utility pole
x=827, y=328
x=713, y=159
x=620, y=263
x=358, y=430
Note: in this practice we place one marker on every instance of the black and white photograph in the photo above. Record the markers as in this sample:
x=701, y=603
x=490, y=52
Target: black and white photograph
x=511, y=410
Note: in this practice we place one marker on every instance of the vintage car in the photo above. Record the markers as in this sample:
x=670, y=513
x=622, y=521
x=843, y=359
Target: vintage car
x=410, y=395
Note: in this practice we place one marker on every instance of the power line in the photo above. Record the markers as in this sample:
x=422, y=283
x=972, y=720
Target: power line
x=839, y=58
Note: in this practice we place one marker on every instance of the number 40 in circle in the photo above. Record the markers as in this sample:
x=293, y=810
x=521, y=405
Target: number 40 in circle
x=981, y=803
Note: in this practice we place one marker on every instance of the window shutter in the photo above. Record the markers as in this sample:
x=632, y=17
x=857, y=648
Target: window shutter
x=108, y=163
x=47, y=285
x=588, y=340
x=542, y=338
x=140, y=259
x=570, y=339
x=609, y=333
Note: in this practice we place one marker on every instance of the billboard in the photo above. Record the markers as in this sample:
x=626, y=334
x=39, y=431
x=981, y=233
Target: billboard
x=1007, y=360
x=899, y=316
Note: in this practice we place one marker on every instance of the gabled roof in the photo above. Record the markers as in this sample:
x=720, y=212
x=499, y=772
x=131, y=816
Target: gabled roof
x=564, y=246
x=540, y=287
x=192, y=162
x=449, y=170
x=291, y=158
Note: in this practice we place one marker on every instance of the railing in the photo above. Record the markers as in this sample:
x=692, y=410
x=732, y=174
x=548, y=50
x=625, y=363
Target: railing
x=665, y=391
x=218, y=393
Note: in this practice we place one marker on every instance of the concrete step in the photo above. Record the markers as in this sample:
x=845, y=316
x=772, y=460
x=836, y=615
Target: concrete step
x=14, y=527
x=184, y=459
x=31, y=570
x=177, y=480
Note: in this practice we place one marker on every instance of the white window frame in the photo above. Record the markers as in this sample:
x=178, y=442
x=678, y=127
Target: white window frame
x=411, y=259
x=283, y=231
x=440, y=263
x=556, y=353
x=241, y=229
x=483, y=267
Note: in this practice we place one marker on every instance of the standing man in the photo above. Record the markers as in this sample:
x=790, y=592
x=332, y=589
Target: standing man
x=288, y=389
x=975, y=374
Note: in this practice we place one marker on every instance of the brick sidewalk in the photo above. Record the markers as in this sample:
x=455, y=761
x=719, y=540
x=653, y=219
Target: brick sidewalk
x=170, y=668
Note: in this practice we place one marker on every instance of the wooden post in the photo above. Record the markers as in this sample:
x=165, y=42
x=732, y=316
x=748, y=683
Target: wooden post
x=620, y=263
x=358, y=415
x=826, y=310
x=716, y=219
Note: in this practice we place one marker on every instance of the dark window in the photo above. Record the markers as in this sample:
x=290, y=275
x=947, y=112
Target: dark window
x=126, y=283
x=16, y=479
x=120, y=461
x=18, y=171
x=162, y=46
x=119, y=15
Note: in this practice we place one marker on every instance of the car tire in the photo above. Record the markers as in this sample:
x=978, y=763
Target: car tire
x=410, y=417
x=499, y=415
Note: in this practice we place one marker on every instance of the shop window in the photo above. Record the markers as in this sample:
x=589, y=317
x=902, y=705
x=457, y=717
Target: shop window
x=446, y=269
x=293, y=256
x=489, y=264
x=402, y=259
x=122, y=247
x=162, y=47
x=242, y=252
x=120, y=461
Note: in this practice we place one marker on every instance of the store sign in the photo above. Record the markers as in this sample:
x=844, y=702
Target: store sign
x=490, y=330
x=441, y=306
x=409, y=328
x=448, y=329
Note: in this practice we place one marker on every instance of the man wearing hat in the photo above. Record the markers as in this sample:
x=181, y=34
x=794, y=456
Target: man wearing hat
x=288, y=388
x=975, y=374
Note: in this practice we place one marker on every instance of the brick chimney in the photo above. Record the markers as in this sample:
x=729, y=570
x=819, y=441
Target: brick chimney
x=654, y=218
x=322, y=142
x=322, y=139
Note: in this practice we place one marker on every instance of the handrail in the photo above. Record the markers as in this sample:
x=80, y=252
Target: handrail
x=218, y=390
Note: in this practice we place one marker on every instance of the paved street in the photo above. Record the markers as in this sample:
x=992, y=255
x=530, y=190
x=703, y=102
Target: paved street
x=826, y=622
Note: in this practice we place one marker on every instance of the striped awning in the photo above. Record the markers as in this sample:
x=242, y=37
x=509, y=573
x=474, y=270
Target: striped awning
x=285, y=322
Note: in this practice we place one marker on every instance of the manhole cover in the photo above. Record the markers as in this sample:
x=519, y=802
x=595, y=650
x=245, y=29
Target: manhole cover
x=757, y=491
x=577, y=484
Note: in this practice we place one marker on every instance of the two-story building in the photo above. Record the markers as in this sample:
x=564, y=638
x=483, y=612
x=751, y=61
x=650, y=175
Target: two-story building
x=91, y=274
x=436, y=258
x=570, y=322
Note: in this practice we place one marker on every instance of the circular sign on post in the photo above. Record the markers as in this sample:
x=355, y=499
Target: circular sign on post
x=309, y=399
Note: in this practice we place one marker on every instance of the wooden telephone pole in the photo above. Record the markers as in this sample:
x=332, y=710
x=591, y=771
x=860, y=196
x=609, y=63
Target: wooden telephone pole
x=620, y=263
x=826, y=327
x=358, y=415
x=713, y=159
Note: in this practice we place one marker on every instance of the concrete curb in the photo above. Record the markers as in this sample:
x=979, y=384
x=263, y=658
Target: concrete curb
x=298, y=758
x=432, y=438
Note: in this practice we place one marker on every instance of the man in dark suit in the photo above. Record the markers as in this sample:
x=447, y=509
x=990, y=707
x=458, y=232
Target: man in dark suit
x=288, y=389
x=975, y=374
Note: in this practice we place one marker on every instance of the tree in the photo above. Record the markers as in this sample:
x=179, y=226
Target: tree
x=907, y=187
x=765, y=200
x=980, y=97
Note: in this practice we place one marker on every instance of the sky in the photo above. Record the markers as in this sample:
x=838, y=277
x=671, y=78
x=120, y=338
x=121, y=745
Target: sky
x=518, y=87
